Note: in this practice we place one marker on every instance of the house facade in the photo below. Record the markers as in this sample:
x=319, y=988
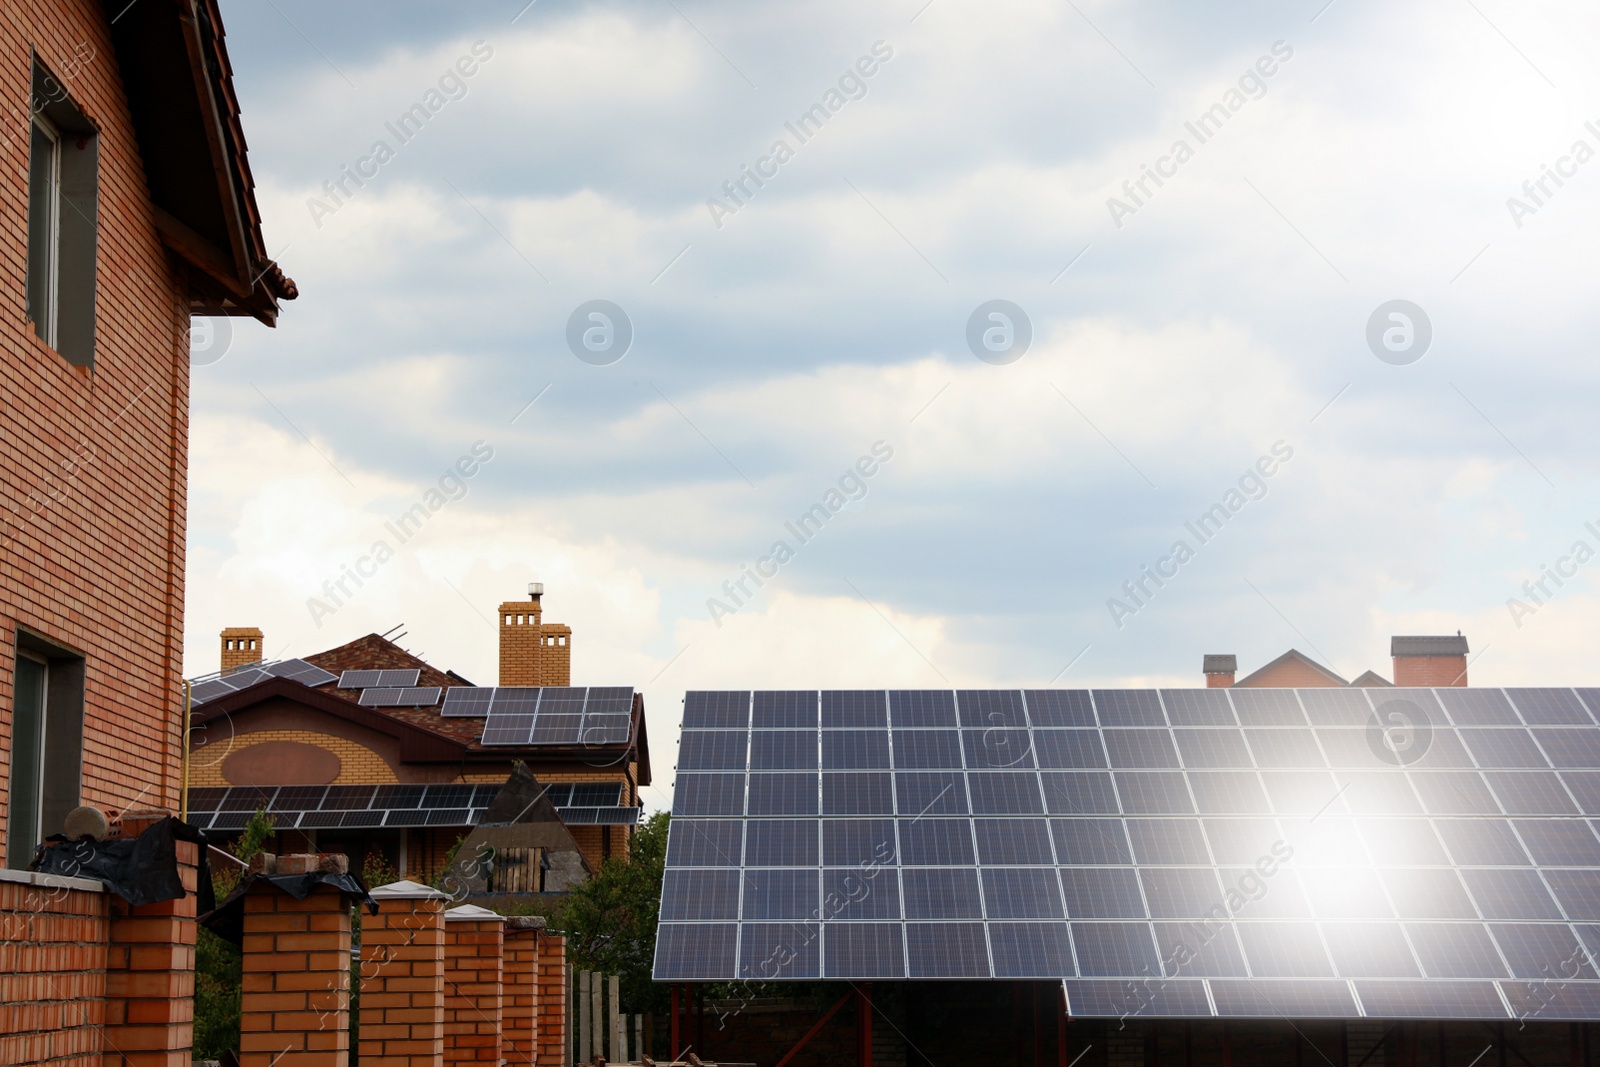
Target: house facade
x=130, y=209
x=363, y=752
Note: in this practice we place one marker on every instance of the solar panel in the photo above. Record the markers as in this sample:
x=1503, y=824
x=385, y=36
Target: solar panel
x=1232, y=853
x=374, y=806
x=467, y=701
x=297, y=670
x=391, y=679
x=418, y=697
x=531, y=716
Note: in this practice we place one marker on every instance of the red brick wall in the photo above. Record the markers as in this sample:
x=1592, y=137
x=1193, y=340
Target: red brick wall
x=553, y=976
x=402, y=983
x=1428, y=671
x=472, y=990
x=150, y=971
x=52, y=974
x=295, y=1011
x=519, y=1011
x=92, y=483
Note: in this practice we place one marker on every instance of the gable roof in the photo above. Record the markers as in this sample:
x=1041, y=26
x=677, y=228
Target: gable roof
x=1261, y=678
x=1371, y=680
x=179, y=83
x=426, y=735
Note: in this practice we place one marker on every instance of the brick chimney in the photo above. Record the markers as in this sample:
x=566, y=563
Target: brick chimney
x=532, y=651
x=1219, y=671
x=1429, y=661
x=241, y=645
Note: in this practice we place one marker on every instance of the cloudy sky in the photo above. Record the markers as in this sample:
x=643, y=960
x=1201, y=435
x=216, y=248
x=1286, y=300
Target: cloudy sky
x=1180, y=332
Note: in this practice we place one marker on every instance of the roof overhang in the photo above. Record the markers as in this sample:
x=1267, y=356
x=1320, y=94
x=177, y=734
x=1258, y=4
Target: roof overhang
x=179, y=84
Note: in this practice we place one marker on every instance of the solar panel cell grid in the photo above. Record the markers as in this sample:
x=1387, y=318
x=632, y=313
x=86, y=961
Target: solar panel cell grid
x=842, y=709
x=1128, y=707
x=1549, y=707
x=1198, y=707
x=927, y=749
x=716, y=710
x=1423, y=883
x=1267, y=707
x=855, y=749
x=1059, y=707
x=857, y=793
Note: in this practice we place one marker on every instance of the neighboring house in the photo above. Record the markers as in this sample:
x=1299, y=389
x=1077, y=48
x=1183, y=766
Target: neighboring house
x=368, y=750
x=129, y=207
x=1418, y=661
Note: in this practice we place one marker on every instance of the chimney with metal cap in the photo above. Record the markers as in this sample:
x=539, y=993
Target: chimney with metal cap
x=533, y=652
x=1429, y=661
x=1219, y=670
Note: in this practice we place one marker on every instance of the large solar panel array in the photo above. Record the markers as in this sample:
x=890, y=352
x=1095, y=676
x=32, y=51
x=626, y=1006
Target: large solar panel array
x=528, y=715
x=1397, y=853
x=369, y=807
x=391, y=679
x=297, y=669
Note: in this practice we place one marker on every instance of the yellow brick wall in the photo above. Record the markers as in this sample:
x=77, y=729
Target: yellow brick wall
x=358, y=765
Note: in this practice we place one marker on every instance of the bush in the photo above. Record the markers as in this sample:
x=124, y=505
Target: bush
x=610, y=920
x=219, y=966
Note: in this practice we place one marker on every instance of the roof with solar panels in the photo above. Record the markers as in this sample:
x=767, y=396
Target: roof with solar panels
x=385, y=681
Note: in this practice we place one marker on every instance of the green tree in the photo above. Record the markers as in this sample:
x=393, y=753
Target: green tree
x=610, y=920
x=218, y=966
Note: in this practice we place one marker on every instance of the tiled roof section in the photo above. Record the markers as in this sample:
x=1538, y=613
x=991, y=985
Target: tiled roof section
x=1449, y=645
x=372, y=653
x=1291, y=661
x=1220, y=664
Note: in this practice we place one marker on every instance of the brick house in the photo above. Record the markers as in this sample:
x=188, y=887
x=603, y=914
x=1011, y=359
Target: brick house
x=1418, y=661
x=351, y=761
x=130, y=207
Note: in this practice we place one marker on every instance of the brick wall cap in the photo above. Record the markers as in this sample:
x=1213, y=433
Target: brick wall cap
x=525, y=922
x=472, y=911
x=407, y=890
x=53, y=881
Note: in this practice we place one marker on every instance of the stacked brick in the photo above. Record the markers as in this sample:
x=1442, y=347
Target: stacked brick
x=402, y=978
x=295, y=1011
x=473, y=951
x=149, y=988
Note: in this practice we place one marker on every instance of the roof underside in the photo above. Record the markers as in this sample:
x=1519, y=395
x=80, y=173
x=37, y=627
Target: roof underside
x=1338, y=853
x=175, y=70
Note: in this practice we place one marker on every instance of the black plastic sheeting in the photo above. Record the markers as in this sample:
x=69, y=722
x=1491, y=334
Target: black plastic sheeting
x=140, y=870
x=227, y=919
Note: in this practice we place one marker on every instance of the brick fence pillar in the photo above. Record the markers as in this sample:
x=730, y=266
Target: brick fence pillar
x=473, y=949
x=295, y=1011
x=150, y=968
x=402, y=978
x=554, y=1048
x=519, y=1012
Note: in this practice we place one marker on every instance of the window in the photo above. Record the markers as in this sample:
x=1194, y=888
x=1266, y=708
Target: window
x=46, y=745
x=63, y=166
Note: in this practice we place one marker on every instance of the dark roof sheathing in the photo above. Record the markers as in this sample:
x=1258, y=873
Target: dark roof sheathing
x=1449, y=645
x=175, y=70
x=1220, y=664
